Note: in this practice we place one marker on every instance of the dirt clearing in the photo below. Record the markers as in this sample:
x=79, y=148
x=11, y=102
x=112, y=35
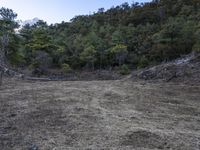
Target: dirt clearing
x=99, y=115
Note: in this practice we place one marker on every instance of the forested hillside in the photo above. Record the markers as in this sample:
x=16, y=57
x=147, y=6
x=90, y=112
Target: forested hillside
x=124, y=78
x=126, y=36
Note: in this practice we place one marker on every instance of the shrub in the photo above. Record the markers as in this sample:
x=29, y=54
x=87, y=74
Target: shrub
x=124, y=70
x=143, y=63
x=66, y=68
x=196, y=48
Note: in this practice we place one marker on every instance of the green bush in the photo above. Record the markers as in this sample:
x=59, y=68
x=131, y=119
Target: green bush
x=34, y=65
x=196, y=48
x=66, y=68
x=124, y=70
x=143, y=63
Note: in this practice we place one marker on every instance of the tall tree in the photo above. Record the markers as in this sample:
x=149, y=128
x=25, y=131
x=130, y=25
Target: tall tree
x=88, y=56
x=7, y=26
x=119, y=53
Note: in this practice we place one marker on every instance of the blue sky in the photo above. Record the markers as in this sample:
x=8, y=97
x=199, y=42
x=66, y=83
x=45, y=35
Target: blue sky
x=56, y=11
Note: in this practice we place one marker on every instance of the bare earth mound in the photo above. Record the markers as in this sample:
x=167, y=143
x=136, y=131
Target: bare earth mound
x=99, y=115
x=185, y=70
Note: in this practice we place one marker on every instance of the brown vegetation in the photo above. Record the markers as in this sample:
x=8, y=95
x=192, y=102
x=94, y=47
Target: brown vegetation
x=99, y=115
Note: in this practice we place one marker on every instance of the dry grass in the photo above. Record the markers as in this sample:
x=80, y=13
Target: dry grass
x=99, y=115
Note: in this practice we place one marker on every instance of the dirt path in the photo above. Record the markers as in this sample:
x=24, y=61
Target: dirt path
x=99, y=115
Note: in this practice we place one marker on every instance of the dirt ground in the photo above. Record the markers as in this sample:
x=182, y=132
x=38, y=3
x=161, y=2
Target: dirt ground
x=107, y=115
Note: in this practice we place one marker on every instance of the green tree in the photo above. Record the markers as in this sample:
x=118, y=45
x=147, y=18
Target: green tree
x=40, y=44
x=88, y=56
x=165, y=41
x=117, y=38
x=136, y=35
x=119, y=53
x=7, y=26
x=196, y=46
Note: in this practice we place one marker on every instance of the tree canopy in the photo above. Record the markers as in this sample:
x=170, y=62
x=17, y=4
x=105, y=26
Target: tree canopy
x=135, y=35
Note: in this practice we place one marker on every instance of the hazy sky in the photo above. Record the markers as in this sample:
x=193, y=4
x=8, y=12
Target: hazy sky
x=55, y=11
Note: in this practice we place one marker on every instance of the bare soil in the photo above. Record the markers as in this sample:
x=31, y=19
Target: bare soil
x=118, y=115
x=185, y=70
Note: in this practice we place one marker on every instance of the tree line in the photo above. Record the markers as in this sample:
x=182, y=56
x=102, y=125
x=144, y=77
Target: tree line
x=128, y=36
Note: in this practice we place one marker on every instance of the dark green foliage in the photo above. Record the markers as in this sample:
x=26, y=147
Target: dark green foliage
x=9, y=41
x=136, y=36
x=66, y=68
x=118, y=54
x=143, y=62
x=124, y=70
x=88, y=56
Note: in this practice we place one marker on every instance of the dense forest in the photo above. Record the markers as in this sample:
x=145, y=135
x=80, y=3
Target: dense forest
x=122, y=37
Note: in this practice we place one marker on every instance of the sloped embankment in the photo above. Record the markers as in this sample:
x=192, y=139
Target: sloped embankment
x=185, y=70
